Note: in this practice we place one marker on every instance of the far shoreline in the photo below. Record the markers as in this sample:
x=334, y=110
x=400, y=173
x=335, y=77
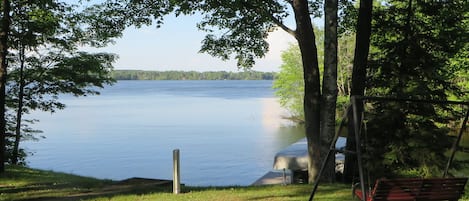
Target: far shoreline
x=191, y=75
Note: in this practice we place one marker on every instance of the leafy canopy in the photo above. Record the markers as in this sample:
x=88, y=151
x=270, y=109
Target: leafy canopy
x=44, y=63
x=235, y=28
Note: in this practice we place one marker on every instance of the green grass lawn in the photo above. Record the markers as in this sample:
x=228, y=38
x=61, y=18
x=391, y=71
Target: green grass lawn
x=291, y=192
x=19, y=183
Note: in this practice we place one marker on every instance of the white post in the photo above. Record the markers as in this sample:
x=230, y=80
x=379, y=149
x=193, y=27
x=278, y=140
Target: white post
x=176, y=175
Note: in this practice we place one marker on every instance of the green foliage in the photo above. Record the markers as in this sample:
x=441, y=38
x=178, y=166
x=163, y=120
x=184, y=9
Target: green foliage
x=348, y=15
x=44, y=62
x=236, y=29
x=346, y=51
x=190, y=75
x=27, y=134
x=107, y=20
x=244, y=24
x=403, y=139
x=289, y=83
x=78, y=74
x=412, y=47
x=458, y=66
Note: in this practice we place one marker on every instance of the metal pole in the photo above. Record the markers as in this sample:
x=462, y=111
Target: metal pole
x=357, y=125
x=456, y=144
x=176, y=172
x=318, y=178
x=326, y=160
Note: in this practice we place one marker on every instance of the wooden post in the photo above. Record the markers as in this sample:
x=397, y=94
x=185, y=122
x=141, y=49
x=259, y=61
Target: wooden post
x=176, y=172
x=284, y=176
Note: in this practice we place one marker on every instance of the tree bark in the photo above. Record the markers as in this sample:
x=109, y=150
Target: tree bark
x=362, y=47
x=312, y=97
x=5, y=27
x=329, y=87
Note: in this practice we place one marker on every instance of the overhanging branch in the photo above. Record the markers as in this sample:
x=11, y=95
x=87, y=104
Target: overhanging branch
x=273, y=18
x=283, y=26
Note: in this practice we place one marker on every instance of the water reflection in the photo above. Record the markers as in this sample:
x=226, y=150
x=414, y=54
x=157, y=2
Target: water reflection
x=285, y=132
x=228, y=134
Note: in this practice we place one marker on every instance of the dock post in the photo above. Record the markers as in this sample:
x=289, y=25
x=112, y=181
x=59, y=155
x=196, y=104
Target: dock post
x=284, y=176
x=176, y=172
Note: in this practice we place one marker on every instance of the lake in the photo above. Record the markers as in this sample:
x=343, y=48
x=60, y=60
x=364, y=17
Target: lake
x=227, y=131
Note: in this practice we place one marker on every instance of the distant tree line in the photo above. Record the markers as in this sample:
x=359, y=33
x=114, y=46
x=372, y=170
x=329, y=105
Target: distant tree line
x=191, y=75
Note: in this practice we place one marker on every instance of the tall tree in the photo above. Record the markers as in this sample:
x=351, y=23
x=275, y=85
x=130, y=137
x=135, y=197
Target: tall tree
x=329, y=84
x=413, y=45
x=44, y=62
x=362, y=47
x=312, y=97
x=5, y=27
x=246, y=25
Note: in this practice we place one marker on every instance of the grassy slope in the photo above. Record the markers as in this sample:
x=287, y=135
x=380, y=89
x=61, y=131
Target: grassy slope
x=273, y=193
x=29, y=184
x=19, y=183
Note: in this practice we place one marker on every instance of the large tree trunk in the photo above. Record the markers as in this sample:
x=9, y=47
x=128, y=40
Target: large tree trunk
x=329, y=87
x=5, y=27
x=362, y=47
x=312, y=97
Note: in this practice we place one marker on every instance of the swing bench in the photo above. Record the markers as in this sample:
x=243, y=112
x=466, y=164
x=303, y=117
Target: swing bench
x=401, y=189
x=412, y=189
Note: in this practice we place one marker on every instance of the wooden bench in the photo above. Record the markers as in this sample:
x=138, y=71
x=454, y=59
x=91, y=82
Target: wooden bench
x=449, y=189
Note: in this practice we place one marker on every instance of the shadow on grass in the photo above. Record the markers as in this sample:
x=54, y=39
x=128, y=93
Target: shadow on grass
x=43, y=192
x=21, y=184
x=24, y=184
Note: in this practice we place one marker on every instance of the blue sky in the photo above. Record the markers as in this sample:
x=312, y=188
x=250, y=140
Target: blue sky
x=175, y=46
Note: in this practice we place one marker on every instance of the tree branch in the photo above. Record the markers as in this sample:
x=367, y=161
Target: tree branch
x=283, y=26
x=273, y=18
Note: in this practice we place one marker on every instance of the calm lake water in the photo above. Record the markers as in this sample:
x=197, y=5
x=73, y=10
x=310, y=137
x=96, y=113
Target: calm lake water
x=227, y=131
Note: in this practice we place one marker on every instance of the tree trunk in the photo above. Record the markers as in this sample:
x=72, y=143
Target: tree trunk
x=312, y=97
x=329, y=87
x=5, y=27
x=362, y=47
x=19, y=113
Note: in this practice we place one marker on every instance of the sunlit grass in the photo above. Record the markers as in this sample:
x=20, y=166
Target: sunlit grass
x=273, y=193
x=19, y=183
